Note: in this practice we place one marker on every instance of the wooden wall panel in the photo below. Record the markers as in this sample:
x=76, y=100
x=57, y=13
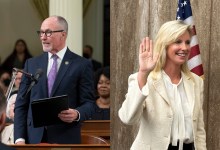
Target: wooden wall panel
x=123, y=59
x=213, y=122
x=133, y=20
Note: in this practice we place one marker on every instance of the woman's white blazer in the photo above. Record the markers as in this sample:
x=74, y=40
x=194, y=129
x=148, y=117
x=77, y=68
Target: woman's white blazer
x=151, y=108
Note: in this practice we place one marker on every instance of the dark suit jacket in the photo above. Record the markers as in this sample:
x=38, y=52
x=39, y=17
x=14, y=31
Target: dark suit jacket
x=74, y=78
x=96, y=65
x=101, y=113
x=5, y=147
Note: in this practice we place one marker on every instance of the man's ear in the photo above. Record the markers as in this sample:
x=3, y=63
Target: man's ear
x=2, y=121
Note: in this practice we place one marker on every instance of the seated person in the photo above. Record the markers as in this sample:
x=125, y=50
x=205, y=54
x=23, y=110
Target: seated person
x=2, y=118
x=7, y=135
x=87, y=53
x=18, y=56
x=102, y=86
x=5, y=79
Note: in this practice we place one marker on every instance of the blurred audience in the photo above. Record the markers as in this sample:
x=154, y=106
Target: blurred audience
x=7, y=135
x=13, y=96
x=102, y=86
x=17, y=83
x=87, y=53
x=5, y=79
x=18, y=57
x=2, y=119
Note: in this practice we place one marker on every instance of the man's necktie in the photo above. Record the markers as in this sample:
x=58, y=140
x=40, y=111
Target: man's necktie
x=52, y=74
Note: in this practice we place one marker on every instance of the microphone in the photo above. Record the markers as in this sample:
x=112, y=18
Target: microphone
x=27, y=74
x=34, y=81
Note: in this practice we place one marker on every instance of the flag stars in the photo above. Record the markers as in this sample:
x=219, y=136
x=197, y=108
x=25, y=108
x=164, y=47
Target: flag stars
x=178, y=17
x=185, y=3
x=178, y=9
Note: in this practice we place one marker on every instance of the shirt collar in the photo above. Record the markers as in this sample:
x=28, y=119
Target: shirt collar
x=60, y=54
x=167, y=78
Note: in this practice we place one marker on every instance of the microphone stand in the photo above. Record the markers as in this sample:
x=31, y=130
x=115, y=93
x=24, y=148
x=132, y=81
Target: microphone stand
x=8, y=92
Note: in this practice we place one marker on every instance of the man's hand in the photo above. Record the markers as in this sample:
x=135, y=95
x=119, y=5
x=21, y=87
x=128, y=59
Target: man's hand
x=20, y=143
x=69, y=115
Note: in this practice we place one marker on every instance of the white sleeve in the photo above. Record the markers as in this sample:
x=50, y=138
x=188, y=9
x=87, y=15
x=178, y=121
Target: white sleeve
x=132, y=108
x=11, y=100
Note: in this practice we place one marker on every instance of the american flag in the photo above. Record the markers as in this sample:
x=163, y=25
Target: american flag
x=184, y=12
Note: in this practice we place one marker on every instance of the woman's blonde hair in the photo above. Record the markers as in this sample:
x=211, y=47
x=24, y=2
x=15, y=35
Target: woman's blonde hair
x=168, y=33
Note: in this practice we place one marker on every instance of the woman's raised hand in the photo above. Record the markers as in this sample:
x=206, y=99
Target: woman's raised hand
x=147, y=60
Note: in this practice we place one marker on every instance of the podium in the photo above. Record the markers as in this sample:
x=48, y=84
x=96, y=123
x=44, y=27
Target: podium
x=99, y=128
x=62, y=147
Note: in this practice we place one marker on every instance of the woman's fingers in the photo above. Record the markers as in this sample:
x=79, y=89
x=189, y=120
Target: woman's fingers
x=150, y=48
x=147, y=44
x=144, y=46
x=141, y=49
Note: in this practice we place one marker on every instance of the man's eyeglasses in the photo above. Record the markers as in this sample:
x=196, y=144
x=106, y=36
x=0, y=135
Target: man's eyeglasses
x=47, y=33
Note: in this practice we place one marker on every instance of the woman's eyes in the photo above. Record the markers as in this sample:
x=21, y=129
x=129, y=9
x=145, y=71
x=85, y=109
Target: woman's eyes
x=180, y=41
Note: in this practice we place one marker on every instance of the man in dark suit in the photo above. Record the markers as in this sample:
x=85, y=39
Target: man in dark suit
x=74, y=77
x=87, y=53
x=2, y=118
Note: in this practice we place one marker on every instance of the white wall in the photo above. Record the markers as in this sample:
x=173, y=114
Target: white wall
x=18, y=20
x=93, y=28
x=72, y=11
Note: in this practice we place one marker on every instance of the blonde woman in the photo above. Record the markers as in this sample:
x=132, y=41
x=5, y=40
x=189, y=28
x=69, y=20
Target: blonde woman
x=164, y=95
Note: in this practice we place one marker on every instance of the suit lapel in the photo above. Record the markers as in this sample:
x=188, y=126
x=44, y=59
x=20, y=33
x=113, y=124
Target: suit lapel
x=189, y=89
x=160, y=87
x=43, y=66
x=66, y=62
